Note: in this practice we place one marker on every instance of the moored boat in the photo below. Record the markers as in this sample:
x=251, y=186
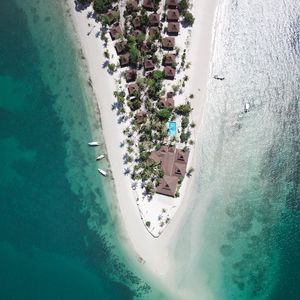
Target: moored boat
x=102, y=172
x=93, y=143
x=100, y=157
x=246, y=107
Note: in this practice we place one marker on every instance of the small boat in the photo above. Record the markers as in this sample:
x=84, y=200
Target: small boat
x=102, y=172
x=93, y=143
x=218, y=77
x=100, y=157
x=246, y=107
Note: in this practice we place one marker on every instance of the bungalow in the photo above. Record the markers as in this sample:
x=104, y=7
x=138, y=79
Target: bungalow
x=167, y=102
x=124, y=60
x=180, y=163
x=140, y=116
x=133, y=88
x=173, y=28
x=115, y=31
x=170, y=94
x=172, y=3
x=173, y=15
x=167, y=186
x=154, y=32
x=169, y=72
x=145, y=49
x=121, y=47
x=136, y=33
x=130, y=75
x=136, y=22
x=154, y=19
x=168, y=43
x=169, y=60
x=148, y=5
x=173, y=162
x=110, y=16
x=148, y=64
x=132, y=5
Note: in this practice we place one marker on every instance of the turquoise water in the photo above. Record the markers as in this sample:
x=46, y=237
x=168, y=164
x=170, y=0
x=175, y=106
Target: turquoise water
x=172, y=128
x=58, y=230
x=248, y=245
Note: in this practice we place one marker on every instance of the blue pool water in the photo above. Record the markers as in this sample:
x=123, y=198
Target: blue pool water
x=172, y=128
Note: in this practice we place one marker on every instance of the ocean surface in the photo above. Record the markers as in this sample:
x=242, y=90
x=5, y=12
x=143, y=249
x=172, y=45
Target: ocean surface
x=248, y=245
x=59, y=236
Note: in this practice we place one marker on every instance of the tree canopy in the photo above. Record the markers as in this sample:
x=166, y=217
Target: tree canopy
x=135, y=54
x=102, y=6
x=183, y=109
x=164, y=114
x=189, y=18
x=183, y=5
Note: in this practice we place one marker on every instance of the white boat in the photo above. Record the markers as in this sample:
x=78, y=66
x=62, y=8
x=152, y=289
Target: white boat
x=102, y=172
x=100, y=157
x=93, y=143
x=246, y=107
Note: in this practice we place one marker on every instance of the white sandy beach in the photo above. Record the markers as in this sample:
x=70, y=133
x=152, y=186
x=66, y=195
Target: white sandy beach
x=156, y=253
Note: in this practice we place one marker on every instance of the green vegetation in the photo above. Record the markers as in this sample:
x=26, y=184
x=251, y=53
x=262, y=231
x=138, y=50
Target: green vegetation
x=189, y=18
x=135, y=54
x=134, y=104
x=183, y=109
x=112, y=68
x=183, y=6
x=158, y=75
x=184, y=122
x=184, y=136
x=102, y=6
x=164, y=114
x=144, y=19
x=190, y=171
x=104, y=20
x=106, y=54
x=143, y=111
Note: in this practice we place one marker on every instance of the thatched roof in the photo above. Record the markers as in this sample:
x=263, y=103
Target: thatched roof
x=173, y=28
x=136, y=22
x=154, y=19
x=124, y=60
x=148, y=4
x=169, y=72
x=121, y=47
x=173, y=15
x=154, y=31
x=167, y=102
x=115, y=31
x=132, y=5
x=168, y=43
x=130, y=75
x=172, y=3
x=169, y=59
x=168, y=186
x=133, y=88
x=148, y=64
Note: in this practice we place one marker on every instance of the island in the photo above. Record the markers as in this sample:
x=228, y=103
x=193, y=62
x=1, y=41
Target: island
x=148, y=65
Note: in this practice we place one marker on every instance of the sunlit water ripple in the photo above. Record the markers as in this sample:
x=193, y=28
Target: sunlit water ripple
x=250, y=165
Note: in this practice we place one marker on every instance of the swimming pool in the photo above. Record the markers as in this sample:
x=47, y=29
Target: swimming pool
x=172, y=128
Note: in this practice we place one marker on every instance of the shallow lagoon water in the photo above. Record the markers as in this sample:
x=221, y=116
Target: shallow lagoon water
x=59, y=233
x=248, y=191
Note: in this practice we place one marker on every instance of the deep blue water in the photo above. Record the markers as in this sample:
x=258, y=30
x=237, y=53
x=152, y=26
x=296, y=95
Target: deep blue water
x=50, y=245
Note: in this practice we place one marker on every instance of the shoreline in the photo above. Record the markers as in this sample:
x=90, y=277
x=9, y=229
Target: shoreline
x=103, y=86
